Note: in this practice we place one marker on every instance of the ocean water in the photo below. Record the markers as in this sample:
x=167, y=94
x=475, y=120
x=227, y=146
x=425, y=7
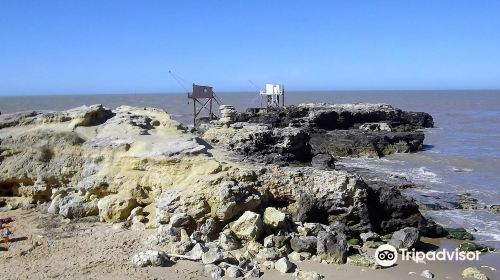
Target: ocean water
x=462, y=153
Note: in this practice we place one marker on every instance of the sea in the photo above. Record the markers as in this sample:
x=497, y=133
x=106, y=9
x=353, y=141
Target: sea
x=461, y=154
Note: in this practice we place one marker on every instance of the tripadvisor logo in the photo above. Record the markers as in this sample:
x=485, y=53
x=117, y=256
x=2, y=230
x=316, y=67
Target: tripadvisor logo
x=386, y=255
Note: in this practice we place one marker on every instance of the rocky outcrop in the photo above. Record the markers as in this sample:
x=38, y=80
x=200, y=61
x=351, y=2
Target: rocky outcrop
x=139, y=166
x=356, y=142
x=337, y=116
x=262, y=142
x=297, y=133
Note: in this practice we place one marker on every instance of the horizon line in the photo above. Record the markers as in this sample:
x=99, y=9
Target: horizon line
x=242, y=91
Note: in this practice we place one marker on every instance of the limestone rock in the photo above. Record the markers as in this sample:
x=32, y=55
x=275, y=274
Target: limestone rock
x=283, y=265
x=269, y=254
x=232, y=199
x=228, y=241
x=427, y=274
x=367, y=236
x=405, y=238
x=473, y=273
x=274, y=218
x=213, y=271
x=495, y=209
x=268, y=265
x=308, y=275
x=295, y=256
x=233, y=272
x=304, y=244
x=182, y=220
x=212, y=255
x=115, y=208
x=196, y=252
x=150, y=258
x=362, y=260
x=248, y=226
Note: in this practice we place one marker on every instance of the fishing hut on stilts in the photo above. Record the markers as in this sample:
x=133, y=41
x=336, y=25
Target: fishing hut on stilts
x=273, y=96
x=203, y=98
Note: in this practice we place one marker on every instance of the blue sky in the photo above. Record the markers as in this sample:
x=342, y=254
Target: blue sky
x=86, y=46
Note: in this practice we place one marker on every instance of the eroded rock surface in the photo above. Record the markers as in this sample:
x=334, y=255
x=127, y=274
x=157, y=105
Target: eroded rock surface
x=139, y=167
x=297, y=133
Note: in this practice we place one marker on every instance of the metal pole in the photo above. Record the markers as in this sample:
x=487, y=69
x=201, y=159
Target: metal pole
x=194, y=113
x=211, y=108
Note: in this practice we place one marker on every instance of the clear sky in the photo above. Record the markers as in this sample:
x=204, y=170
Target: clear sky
x=97, y=46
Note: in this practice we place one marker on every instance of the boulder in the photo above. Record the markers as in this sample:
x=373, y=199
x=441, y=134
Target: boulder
x=310, y=229
x=210, y=229
x=115, y=207
x=323, y=161
x=182, y=220
x=228, y=240
x=366, y=236
x=233, y=272
x=405, y=238
x=474, y=273
x=248, y=226
x=283, y=265
x=304, y=244
x=495, y=209
x=269, y=254
x=268, y=265
x=331, y=249
x=213, y=271
x=458, y=233
x=212, y=255
x=469, y=246
x=150, y=258
x=274, y=218
x=196, y=252
x=231, y=200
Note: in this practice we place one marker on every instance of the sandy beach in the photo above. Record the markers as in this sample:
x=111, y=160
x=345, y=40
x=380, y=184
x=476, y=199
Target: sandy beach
x=85, y=249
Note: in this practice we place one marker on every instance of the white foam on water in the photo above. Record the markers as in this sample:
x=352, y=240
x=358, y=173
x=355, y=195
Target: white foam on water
x=395, y=167
x=484, y=228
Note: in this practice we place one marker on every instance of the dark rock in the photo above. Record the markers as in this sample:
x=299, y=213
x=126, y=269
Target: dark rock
x=210, y=229
x=182, y=220
x=345, y=143
x=390, y=210
x=323, y=161
x=495, y=209
x=467, y=202
x=469, y=246
x=458, y=233
x=433, y=230
x=282, y=135
x=330, y=248
x=304, y=244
